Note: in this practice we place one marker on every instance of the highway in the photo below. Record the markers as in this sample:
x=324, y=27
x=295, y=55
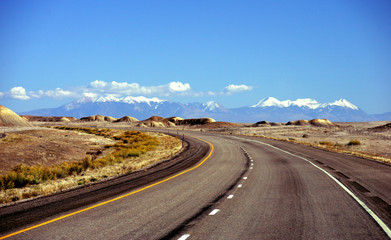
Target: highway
x=244, y=188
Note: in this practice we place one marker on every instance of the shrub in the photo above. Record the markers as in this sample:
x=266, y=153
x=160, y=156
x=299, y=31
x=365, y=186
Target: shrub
x=354, y=143
x=306, y=136
x=132, y=144
x=81, y=181
x=326, y=143
x=338, y=144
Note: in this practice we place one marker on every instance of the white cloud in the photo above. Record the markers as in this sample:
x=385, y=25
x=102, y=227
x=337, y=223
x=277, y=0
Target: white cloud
x=98, y=84
x=99, y=88
x=57, y=93
x=124, y=88
x=178, y=87
x=18, y=93
x=90, y=95
x=210, y=93
x=232, y=88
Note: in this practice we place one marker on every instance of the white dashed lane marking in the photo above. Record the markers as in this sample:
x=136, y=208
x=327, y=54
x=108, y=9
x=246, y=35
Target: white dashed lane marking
x=230, y=196
x=240, y=185
x=214, y=212
x=380, y=222
x=184, y=237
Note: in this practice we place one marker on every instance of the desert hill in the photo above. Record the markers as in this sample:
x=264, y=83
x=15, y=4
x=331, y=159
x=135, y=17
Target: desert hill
x=10, y=118
x=155, y=121
x=313, y=122
x=48, y=119
x=127, y=119
x=98, y=118
x=385, y=127
x=213, y=125
x=193, y=121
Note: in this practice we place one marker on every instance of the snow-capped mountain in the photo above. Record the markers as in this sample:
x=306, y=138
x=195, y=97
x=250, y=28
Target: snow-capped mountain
x=305, y=103
x=270, y=109
x=213, y=106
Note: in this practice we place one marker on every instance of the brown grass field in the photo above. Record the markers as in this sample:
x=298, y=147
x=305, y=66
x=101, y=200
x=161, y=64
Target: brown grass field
x=106, y=156
x=352, y=138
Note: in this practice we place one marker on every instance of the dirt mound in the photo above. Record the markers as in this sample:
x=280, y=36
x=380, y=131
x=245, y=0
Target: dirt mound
x=64, y=119
x=175, y=120
x=150, y=123
x=10, y=118
x=97, y=118
x=156, y=118
x=195, y=121
x=262, y=124
x=382, y=128
x=321, y=123
x=298, y=123
x=220, y=125
x=156, y=121
x=48, y=119
x=127, y=119
x=266, y=124
x=110, y=119
x=313, y=122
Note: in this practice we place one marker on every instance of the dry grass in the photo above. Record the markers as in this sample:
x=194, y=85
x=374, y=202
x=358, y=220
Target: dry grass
x=349, y=138
x=340, y=148
x=119, y=160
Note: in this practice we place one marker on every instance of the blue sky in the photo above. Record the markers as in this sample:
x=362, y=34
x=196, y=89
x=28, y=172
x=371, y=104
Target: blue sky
x=232, y=52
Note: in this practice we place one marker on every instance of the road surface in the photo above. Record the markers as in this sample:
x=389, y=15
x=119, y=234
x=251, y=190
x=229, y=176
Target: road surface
x=243, y=189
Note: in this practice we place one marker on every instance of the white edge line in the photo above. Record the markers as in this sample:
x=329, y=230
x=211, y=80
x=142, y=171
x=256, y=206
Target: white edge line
x=385, y=228
x=214, y=212
x=184, y=237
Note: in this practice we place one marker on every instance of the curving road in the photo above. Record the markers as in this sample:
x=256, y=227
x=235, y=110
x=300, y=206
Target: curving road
x=245, y=188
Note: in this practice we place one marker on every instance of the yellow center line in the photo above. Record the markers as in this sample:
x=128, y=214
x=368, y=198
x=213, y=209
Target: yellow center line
x=114, y=199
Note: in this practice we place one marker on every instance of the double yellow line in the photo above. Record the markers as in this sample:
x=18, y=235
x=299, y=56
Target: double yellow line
x=114, y=199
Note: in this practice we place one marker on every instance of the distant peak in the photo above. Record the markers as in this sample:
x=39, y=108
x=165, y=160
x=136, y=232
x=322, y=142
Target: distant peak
x=302, y=102
x=211, y=105
x=343, y=103
x=272, y=102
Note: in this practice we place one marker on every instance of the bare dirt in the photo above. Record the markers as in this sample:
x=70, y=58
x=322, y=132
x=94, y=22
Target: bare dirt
x=49, y=146
x=46, y=147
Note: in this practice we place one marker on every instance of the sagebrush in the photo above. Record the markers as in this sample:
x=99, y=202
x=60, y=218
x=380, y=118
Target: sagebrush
x=129, y=144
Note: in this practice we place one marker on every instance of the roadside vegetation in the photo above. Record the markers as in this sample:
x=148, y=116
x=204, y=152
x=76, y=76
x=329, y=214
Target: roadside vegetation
x=132, y=150
x=347, y=148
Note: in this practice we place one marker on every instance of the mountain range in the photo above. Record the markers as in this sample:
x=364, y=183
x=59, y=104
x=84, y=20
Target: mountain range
x=268, y=109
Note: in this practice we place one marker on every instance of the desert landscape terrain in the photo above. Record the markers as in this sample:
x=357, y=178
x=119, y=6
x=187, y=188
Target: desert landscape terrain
x=57, y=141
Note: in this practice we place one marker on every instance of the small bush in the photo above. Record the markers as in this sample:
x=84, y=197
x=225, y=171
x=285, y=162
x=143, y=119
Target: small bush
x=326, y=143
x=306, y=136
x=81, y=181
x=338, y=144
x=354, y=143
x=132, y=144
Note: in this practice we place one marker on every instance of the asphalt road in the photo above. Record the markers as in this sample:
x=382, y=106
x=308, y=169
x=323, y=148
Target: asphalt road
x=243, y=190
